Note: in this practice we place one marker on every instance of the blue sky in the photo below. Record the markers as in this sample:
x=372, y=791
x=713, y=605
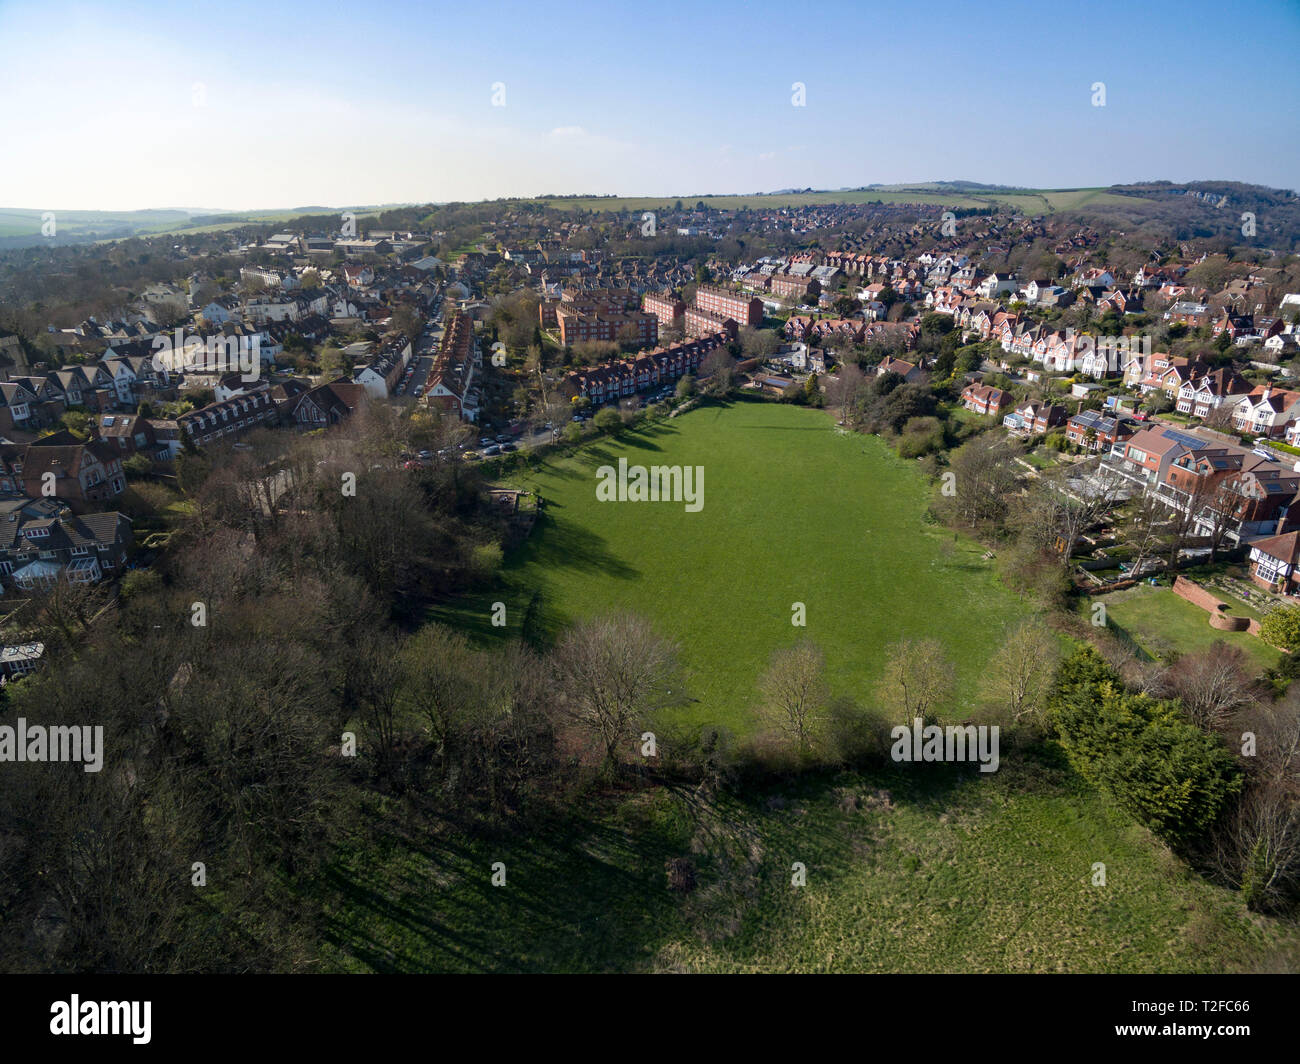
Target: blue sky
x=241, y=105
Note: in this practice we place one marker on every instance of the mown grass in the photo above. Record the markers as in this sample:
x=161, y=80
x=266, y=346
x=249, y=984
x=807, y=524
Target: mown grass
x=910, y=868
x=794, y=512
x=1160, y=622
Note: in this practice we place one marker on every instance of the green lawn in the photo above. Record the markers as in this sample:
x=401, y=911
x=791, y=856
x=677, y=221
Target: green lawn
x=794, y=511
x=910, y=868
x=1159, y=621
x=937, y=870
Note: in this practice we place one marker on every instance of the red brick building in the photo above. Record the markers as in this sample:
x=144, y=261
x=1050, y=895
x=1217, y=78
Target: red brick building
x=665, y=306
x=745, y=310
x=700, y=323
x=577, y=325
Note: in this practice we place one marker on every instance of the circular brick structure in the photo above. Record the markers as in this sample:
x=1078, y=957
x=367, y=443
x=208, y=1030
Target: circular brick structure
x=1225, y=622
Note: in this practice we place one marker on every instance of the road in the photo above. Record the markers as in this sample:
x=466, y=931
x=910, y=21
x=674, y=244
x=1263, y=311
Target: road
x=423, y=354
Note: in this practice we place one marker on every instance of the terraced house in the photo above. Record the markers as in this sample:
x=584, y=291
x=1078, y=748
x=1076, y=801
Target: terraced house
x=628, y=376
x=229, y=418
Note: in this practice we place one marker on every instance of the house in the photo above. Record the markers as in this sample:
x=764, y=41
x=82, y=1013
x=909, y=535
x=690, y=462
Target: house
x=324, y=405
x=1147, y=455
x=42, y=540
x=233, y=417
x=1185, y=312
x=17, y=405
x=909, y=371
x=985, y=399
x=1234, y=491
x=127, y=434
x=1034, y=418
x=81, y=474
x=20, y=659
x=1266, y=411
x=1273, y=563
x=1095, y=431
x=1201, y=394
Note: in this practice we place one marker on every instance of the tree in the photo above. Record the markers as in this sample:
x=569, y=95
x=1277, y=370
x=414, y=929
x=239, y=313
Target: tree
x=1146, y=531
x=917, y=679
x=1282, y=627
x=842, y=390
x=686, y=387
x=1021, y=672
x=1164, y=771
x=760, y=344
x=443, y=677
x=1257, y=850
x=795, y=693
x=1063, y=507
x=614, y=674
x=607, y=420
x=1214, y=684
x=984, y=477
x=719, y=368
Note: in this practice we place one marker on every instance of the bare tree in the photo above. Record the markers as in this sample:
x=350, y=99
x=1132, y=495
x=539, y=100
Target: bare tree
x=1258, y=849
x=615, y=672
x=918, y=678
x=1213, y=685
x=1019, y=674
x=984, y=478
x=1070, y=509
x=842, y=389
x=444, y=679
x=1147, y=529
x=795, y=693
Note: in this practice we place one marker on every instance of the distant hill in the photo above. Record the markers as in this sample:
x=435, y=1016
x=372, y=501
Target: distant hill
x=1162, y=210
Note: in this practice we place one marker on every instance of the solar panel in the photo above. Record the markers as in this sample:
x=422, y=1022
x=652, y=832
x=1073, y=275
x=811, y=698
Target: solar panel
x=1192, y=442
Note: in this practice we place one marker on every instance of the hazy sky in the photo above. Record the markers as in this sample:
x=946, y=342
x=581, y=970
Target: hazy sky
x=279, y=104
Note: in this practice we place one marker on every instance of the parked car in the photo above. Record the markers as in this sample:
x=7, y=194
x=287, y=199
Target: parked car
x=494, y=449
x=426, y=454
x=509, y=447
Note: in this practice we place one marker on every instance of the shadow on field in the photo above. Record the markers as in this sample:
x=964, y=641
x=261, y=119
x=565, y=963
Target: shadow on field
x=560, y=544
x=579, y=894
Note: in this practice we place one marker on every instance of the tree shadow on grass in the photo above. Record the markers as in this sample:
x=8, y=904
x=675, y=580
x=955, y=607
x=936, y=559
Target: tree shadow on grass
x=559, y=543
x=581, y=894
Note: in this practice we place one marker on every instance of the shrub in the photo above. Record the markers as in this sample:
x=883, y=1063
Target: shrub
x=1282, y=627
x=1163, y=771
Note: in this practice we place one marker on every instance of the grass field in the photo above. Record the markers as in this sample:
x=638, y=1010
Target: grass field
x=794, y=512
x=1159, y=621
x=930, y=871
x=910, y=868
x=1031, y=201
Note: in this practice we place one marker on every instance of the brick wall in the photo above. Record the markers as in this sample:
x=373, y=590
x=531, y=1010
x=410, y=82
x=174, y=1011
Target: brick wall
x=1221, y=619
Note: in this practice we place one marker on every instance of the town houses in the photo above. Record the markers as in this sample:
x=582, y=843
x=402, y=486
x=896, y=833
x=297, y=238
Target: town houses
x=627, y=376
x=450, y=386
